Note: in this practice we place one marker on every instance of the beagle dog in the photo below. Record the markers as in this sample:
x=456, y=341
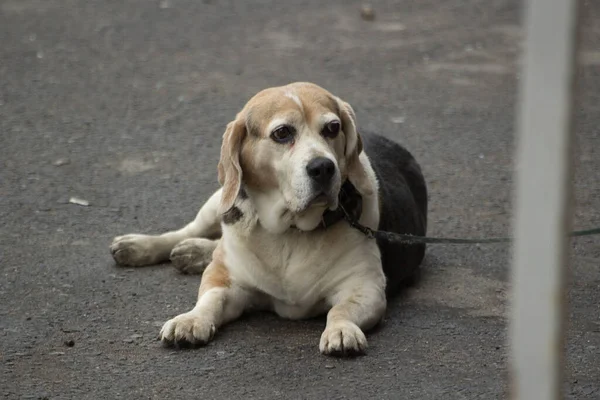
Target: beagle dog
x=274, y=236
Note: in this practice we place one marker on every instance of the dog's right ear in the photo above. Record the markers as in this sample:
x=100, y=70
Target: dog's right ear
x=357, y=174
x=230, y=171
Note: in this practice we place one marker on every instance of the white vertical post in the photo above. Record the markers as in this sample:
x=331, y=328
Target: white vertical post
x=542, y=203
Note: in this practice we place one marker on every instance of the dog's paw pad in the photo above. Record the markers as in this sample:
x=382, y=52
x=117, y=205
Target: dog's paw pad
x=189, y=329
x=192, y=256
x=133, y=250
x=343, y=339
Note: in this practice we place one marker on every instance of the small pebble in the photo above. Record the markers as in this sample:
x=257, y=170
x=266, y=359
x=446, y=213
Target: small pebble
x=367, y=13
x=61, y=161
x=69, y=343
x=79, y=202
x=329, y=366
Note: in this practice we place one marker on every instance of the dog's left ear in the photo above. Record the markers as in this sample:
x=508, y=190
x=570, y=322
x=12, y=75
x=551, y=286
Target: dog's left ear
x=356, y=171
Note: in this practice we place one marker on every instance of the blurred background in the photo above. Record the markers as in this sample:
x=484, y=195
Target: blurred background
x=111, y=116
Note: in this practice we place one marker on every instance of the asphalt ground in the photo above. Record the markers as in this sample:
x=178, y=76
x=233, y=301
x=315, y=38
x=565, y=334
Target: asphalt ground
x=123, y=104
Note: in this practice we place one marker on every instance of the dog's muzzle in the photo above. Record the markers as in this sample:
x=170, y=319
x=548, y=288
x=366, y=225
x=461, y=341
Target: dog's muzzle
x=321, y=171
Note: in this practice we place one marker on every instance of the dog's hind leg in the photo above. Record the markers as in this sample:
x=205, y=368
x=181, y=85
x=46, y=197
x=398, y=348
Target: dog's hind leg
x=138, y=250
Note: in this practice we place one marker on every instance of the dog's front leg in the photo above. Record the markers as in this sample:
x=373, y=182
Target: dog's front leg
x=354, y=310
x=138, y=250
x=219, y=301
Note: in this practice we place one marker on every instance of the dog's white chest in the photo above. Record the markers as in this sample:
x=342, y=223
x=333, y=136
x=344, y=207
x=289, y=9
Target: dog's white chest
x=295, y=270
x=281, y=269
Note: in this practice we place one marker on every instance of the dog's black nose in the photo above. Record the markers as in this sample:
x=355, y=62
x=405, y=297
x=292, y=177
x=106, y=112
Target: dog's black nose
x=321, y=170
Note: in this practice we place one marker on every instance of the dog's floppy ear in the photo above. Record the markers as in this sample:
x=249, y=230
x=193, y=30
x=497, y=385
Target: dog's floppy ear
x=230, y=171
x=356, y=171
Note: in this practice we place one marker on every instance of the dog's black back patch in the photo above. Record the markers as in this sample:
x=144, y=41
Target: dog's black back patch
x=403, y=206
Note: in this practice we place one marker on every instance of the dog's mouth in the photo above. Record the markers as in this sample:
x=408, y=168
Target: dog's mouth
x=310, y=214
x=322, y=199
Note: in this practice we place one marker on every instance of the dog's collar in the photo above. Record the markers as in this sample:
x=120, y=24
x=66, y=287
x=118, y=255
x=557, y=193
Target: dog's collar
x=349, y=207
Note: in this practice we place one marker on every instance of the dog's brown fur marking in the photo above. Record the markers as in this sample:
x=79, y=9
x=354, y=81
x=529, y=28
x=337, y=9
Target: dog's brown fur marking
x=216, y=274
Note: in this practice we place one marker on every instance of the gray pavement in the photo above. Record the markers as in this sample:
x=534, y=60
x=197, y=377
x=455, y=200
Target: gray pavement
x=123, y=104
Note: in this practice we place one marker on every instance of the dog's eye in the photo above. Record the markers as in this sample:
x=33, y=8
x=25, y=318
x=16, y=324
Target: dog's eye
x=283, y=134
x=331, y=129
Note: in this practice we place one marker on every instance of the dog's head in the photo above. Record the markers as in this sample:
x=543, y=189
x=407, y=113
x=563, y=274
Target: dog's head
x=291, y=148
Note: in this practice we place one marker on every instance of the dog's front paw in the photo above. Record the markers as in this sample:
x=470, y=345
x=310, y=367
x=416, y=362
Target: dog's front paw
x=343, y=338
x=192, y=256
x=134, y=250
x=187, y=329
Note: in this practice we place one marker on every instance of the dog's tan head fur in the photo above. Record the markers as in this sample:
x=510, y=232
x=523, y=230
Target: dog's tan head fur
x=269, y=145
